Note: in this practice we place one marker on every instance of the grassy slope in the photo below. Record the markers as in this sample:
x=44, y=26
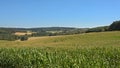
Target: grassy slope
x=69, y=41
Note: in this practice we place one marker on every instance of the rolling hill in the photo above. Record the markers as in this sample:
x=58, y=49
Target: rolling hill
x=79, y=40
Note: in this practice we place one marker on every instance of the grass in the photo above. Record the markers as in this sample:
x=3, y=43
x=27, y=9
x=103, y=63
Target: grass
x=91, y=50
x=103, y=39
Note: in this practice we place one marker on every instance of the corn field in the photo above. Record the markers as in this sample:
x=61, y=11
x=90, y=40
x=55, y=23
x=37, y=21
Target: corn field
x=59, y=58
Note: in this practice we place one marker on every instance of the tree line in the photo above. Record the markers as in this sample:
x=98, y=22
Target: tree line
x=115, y=26
x=8, y=33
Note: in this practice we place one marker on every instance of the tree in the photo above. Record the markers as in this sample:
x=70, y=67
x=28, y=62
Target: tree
x=115, y=26
x=98, y=29
x=23, y=38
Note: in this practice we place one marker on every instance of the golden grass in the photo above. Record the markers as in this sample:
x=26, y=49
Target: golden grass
x=101, y=39
x=23, y=33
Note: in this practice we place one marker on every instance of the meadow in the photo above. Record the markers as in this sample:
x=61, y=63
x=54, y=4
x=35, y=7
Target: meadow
x=88, y=50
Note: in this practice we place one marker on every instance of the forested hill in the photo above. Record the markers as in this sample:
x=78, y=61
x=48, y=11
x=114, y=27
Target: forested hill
x=51, y=28
x=24, y=33
x=11, y=30
x=43, y=29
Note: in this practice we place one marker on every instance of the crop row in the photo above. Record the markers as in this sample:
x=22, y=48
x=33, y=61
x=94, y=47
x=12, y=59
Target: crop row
x=53, y=58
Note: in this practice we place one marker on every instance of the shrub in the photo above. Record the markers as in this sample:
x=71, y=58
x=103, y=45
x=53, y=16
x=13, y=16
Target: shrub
x=23, y=38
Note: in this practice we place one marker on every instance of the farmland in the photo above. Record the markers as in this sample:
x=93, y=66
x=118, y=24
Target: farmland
x=88, y=50
x=22, y=33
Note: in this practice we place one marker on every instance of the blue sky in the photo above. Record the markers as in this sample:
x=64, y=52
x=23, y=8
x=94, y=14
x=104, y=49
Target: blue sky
x=58, y=13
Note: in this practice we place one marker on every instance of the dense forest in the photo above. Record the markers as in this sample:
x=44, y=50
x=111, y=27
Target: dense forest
x=9, y=33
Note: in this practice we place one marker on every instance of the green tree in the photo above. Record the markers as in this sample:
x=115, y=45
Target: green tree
x=115, y=26
x=23, y=38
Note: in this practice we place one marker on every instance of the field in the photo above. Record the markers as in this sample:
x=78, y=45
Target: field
x=23, y=33
x=89, y=50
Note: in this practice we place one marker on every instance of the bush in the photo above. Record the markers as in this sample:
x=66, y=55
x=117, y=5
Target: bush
x=23, y=38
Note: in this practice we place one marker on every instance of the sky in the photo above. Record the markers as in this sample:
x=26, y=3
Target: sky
x=58, y=13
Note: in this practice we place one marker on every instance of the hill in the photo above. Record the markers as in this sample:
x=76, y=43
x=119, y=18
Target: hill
x=12, y=34
x=78, y=40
